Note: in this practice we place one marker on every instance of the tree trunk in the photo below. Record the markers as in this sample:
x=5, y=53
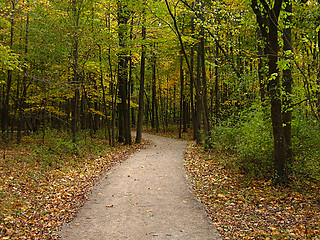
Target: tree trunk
x=193, y=107
x=75, y=66
x=268, y=24
x=276, y=111
x=216, y=86
x=181, y=96
x=154, y=93
x=198, y=96
x=204, y=90
x=141, y=90
x=123, y=111
x=24, y=85
x=6, y=105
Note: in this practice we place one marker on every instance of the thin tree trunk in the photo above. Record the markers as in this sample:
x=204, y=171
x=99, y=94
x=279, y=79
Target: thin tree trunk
x=112, y=90
x=216, y=86
x=141, y=90
x=198, y=95
x=75, y=66
x=154, y=92
x=193, y=107
x=24, y=84
x=318, y=75
x=197, y=111
x=104, y=97
x=6, y=106
x=204, y=90
x=181, y=95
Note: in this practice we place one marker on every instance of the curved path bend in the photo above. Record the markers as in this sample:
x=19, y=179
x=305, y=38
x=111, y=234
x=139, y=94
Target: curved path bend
x=146, y=197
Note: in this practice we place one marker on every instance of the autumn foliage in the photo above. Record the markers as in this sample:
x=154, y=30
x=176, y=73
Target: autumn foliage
x=42, y=186
x=245, y=208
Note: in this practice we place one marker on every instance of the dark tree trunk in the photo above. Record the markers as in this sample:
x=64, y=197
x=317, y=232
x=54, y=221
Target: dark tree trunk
x=276, y=112
x=108, y=128
x=6, y=105
x=204, y=90
x=75, y=66
x=197, y=111
x=24, y=85
x=185, y=115
x=181, y=95
x=141, y=90
x=216, y=86
x=198, y=96
x=174, y=117
x=154, y=106
x=269, y=18
x=193, y=107
x=318, y=75
x=123, y=111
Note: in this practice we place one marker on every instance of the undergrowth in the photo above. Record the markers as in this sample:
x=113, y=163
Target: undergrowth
x=249, y=136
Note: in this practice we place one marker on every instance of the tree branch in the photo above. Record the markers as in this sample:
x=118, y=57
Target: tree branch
x=260, y=19
x=179, y=35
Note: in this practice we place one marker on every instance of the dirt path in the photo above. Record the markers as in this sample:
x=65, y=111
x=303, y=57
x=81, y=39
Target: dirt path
x=146, y=197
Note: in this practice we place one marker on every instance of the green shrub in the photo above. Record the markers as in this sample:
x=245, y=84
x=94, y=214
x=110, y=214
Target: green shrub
x=256, y=144
x=306, y=145
x=249, y=136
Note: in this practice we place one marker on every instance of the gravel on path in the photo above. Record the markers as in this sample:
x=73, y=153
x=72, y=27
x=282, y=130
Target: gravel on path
x=148, y=196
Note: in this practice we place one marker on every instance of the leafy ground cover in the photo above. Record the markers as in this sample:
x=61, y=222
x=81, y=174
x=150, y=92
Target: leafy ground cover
x=244, y=208
x=43, y=184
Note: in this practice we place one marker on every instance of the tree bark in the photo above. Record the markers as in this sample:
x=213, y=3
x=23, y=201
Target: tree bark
x=268, y=17
x=193, y=105
x=6, y=105
x=204, y=90
x=181, y=95
x=216, y=86
x=123, y=111
x=24, y=84
x=154, y=106
x=75, y=66
x=141, y=90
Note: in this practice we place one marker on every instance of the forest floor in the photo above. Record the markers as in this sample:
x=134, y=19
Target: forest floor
x=41, y=188
x=43, y=181
x=244, y=207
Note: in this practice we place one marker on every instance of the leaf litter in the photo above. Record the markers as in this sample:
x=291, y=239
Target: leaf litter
x=36, y=199
x=244, y=208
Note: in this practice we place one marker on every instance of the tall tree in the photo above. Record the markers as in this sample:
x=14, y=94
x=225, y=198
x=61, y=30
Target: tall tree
x=124, y=113
x=142, y=79
x=6, y=105
x=267, y=16
x=76, y=6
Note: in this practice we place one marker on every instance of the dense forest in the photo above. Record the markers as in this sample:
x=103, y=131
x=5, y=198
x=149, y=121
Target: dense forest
x=243, y=75
x=81, y=80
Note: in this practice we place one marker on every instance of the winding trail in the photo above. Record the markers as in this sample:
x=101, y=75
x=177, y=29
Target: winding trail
x=146, y=197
